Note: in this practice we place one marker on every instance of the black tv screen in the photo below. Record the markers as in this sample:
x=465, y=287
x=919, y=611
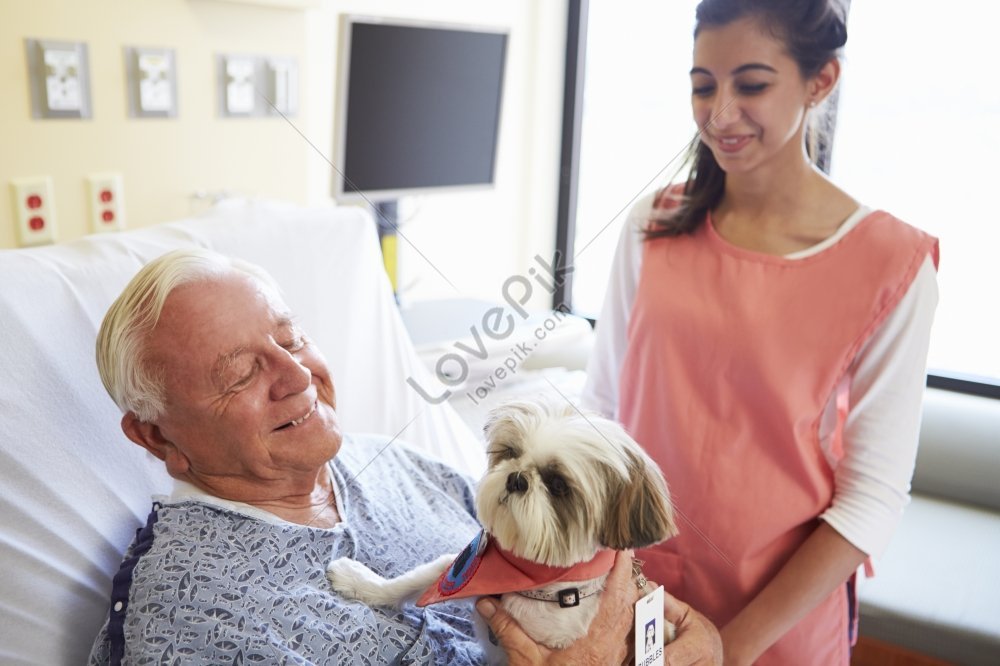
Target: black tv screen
x=419, y=107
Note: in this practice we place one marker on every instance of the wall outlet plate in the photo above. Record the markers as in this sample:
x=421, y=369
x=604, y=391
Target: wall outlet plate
x=106, y=200
x=59, y=76
x=238, y=85
x=34, y=210
x=257, y=86
x=151, y=75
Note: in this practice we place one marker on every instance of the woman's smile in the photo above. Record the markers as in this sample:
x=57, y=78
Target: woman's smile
x=733, y=143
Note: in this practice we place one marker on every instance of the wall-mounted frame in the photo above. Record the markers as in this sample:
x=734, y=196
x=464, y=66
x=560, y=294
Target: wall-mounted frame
x=256, y=85
x=237, y=84
x=151, y=79
x=59, y=78
x=281, y=86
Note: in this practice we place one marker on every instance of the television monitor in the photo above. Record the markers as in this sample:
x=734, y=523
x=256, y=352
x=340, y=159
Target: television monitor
x=418, y=107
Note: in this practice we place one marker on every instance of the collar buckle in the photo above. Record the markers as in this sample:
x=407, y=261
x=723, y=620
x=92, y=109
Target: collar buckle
x=569, y=597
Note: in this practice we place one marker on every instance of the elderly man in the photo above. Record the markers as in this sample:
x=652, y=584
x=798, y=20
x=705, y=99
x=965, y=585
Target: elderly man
x=216, y=380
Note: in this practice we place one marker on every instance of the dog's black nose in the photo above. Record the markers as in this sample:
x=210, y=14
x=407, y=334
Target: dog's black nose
x=516, y=483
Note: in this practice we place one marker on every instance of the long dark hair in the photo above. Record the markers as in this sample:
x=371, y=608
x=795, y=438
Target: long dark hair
x=813, y=32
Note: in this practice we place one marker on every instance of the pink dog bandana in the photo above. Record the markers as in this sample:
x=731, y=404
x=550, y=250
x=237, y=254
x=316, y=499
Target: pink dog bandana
x=484, y=568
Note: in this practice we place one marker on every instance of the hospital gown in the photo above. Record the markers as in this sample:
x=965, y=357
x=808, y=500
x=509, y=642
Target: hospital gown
x=206, y=583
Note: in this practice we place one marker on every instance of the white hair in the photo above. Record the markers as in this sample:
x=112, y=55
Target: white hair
x=582, y=483
x=121, y=342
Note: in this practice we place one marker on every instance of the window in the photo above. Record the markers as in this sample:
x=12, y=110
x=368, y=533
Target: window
x=636, y=125
x=918, y=134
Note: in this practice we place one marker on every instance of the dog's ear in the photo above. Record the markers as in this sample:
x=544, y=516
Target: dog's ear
x=639, y=511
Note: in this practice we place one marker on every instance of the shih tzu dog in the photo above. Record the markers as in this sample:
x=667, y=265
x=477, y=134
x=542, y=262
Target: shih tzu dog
x=562, y=492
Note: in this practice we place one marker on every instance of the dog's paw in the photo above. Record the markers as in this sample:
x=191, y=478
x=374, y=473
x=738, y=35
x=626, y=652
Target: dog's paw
x=353, y=580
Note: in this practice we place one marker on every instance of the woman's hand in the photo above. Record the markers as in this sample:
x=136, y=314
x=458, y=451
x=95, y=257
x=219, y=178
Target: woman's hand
x=607, y=640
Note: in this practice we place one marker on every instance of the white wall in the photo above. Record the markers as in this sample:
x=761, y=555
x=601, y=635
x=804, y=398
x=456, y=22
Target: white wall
x=476, y=240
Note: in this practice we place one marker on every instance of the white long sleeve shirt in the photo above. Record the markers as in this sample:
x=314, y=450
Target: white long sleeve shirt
x=887, y=384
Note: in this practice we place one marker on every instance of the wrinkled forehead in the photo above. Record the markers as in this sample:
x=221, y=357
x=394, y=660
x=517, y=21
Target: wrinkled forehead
x=263, y=289
x=214, y=312
x=228, y=288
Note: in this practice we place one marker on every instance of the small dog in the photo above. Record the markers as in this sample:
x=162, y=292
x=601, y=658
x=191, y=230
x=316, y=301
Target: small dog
x=562, y=491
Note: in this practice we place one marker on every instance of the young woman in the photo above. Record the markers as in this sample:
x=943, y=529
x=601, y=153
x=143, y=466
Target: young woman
x=765, y=337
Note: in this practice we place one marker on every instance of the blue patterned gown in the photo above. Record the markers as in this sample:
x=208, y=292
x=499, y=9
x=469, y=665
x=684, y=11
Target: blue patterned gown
x=213, y=582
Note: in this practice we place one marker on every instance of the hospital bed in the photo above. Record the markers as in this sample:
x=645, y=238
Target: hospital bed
x=74, y=489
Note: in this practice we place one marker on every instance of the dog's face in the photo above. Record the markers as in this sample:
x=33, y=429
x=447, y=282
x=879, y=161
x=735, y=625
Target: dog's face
x=561, y=485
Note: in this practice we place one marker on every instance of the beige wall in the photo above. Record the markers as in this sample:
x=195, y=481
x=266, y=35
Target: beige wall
x=475, y=239
x=163, y=162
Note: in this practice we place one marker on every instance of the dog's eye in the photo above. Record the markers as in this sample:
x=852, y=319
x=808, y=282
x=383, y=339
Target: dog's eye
x=503, y=452
x=556, y=484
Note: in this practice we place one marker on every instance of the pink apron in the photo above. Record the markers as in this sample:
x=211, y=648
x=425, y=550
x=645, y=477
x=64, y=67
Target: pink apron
x=732, y=356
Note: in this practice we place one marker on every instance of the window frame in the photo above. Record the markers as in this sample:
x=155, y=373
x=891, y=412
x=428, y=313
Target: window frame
x=569, y=172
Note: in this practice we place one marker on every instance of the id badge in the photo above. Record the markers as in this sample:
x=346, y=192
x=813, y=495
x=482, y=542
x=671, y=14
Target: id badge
x=649, y=628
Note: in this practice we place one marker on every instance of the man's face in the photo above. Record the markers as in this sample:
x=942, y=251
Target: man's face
x=249, y=398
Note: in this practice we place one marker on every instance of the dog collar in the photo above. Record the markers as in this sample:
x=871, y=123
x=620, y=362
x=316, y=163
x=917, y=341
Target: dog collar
x=567, y=597
x=484, y=568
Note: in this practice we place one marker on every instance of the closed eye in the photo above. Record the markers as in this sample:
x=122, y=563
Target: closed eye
x=743, y=89
x=296, y=344
x=503, y=452
x=288, y=335
x=752, y=88
x=244, y=381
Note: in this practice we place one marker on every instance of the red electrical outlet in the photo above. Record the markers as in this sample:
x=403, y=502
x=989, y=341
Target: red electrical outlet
x=107, y=201
x=34, y=210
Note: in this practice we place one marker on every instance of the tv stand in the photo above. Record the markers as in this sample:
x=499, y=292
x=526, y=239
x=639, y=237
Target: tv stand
x=387, y=221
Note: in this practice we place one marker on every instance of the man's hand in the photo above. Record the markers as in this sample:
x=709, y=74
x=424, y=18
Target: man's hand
x=697, y=643
x=606, y=641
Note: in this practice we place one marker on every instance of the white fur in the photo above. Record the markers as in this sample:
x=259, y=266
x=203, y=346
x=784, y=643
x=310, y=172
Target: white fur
x=606, y=475
x=546, y=622
x=353, y=580
x=528, y=525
